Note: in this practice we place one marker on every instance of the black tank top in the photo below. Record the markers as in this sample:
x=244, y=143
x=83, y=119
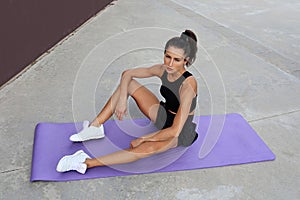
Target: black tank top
x=170, y=91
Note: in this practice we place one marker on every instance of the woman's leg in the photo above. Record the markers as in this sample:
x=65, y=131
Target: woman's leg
x=130, y=155
x=145, y=99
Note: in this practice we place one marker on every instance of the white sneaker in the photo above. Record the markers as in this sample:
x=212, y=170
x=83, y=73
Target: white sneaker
x=88, y=133
x=73, y=162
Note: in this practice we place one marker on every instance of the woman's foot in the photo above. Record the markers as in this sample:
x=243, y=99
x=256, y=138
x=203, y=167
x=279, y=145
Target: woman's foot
x=73, y=162
x=88, y=133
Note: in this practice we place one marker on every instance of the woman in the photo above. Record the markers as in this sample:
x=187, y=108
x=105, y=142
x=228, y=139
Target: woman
x=173, y=117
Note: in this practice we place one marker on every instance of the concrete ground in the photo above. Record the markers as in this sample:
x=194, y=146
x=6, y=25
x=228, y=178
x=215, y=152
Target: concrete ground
x=247, y=63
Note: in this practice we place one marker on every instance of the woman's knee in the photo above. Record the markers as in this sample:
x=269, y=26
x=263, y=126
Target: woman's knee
x=133, y=86
x=124, y=72
x=142, y=151
x=150, y=148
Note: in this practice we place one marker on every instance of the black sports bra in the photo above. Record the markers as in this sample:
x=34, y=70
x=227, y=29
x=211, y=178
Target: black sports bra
x=170, y=91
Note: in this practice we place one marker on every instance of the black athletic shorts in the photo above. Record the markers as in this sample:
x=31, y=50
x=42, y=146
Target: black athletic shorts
x=188, y=134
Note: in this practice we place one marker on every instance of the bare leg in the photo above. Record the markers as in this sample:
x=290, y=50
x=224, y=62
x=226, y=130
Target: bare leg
x=108, y=110
x=130, y=155
x=145, y=99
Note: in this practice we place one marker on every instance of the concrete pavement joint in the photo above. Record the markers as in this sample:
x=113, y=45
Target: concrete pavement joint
x=253, y=46
x=12, y=170
x=272, y=116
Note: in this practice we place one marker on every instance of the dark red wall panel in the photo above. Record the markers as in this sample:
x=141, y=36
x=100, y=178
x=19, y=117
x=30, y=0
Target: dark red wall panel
x=29, y=28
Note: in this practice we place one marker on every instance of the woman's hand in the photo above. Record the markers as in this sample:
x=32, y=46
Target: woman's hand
x=136, y=142
x=121, y=110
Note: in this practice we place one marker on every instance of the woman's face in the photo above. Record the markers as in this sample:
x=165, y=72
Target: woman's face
x=174, y=60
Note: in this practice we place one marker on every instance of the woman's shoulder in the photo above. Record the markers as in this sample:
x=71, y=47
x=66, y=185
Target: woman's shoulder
x=190, y=81
x=158, y=69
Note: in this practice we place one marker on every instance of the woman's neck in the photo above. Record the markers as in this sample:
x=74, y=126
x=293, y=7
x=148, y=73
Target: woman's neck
x=174, y=76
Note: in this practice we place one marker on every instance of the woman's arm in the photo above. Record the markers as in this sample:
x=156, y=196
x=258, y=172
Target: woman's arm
x=127, y=76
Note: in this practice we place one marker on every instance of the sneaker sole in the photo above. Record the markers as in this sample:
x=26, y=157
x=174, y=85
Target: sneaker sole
x=90, y=138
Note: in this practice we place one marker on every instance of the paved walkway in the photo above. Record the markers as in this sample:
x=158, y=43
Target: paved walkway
x=247, y=63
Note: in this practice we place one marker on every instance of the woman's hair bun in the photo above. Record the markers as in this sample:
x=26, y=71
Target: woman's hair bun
x=188, y=34
x=190, y=37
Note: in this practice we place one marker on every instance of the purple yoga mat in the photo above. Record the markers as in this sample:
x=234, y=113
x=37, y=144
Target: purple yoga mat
x=238, y=144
